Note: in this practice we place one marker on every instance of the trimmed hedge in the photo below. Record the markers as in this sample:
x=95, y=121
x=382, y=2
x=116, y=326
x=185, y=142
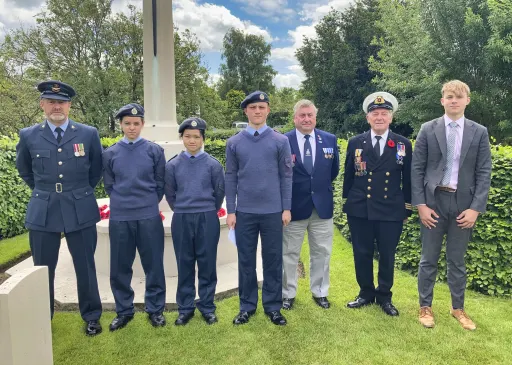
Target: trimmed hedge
x=489, y=257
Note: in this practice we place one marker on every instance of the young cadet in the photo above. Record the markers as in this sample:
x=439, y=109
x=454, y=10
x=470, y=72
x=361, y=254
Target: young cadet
x=258, y=198
x=194, y=189
x=377, y=189
x=451, y=178
x=134, y=179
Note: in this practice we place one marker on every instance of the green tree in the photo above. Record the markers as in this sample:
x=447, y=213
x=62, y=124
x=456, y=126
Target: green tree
x=281, y=106
x=246, y=67
x=422, y=47
x=233, y=100
x=99, y=54
x=336, y=66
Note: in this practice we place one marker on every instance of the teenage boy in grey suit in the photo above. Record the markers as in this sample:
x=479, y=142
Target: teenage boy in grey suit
x=451, y=176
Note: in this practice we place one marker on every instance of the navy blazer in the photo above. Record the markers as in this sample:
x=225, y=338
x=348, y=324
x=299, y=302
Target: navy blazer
x=315, y=190
x=383, y=192
x=62, y=183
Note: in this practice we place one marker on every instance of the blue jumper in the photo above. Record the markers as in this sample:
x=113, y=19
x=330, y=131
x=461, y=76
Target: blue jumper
x=194, y=185
x=134, y=179
x=258, y=173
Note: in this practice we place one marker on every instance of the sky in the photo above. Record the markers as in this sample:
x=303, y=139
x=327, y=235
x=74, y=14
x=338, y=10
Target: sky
x=283, y=23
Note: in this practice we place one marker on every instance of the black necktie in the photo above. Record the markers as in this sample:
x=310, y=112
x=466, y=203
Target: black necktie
x=59, y=133
x=376, y=148
x=130, y=142
x=192, y=156
x=308, y=155
x=256, y=134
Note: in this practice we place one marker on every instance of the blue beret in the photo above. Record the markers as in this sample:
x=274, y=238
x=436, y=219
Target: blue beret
x=132, y=110
x=254, y=97
x=56, y=90
x=192, y=123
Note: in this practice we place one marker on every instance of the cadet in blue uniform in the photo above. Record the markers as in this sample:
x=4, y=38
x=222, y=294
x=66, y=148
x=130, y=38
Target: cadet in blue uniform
x=377, y=189
x=60, y=160
x=134, y=180
x=194, y=189
x=258, y=199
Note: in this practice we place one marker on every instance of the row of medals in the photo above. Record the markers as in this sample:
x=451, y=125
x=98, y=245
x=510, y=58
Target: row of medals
x=79, y=149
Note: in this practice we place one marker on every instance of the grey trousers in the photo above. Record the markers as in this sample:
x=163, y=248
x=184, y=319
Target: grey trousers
x=320, y=232
x=456, y=245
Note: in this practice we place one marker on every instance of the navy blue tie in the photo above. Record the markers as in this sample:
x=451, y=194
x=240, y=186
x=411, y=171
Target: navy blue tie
x=308, y=155
x=59, y=134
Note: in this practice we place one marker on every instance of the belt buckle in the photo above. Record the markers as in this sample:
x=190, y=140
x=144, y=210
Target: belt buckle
x=58, y=188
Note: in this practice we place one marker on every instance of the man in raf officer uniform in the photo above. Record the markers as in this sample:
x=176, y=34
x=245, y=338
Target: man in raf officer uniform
x=60, y=160
x=377, y=189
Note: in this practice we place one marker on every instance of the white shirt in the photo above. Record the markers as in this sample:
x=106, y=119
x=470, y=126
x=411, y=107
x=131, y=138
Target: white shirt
x=382, y=142
x=458, y=146
x=312, y=141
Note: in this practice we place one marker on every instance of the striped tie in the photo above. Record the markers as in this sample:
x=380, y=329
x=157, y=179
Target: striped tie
x=450, y=153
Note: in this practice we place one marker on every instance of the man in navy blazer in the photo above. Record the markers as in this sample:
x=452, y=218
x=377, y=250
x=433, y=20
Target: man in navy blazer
x=60, y=160
x=315, y=162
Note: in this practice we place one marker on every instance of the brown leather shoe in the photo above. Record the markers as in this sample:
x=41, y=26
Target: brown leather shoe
x=463, y=319
x=427, y=317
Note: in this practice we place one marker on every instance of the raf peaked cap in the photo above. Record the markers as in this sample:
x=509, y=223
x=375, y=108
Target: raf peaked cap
x=254, y=97
x=380, y=99
x=192, y=123
x=132, y=110
x=56, y=90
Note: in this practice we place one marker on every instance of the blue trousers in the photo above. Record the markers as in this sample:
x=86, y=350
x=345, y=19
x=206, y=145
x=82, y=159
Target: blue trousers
x=146, y=236
x=81, y=244
x=248, y=228
x=195, y=237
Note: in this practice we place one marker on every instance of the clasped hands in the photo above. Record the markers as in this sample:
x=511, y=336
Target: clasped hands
x=231, y=219
x=428, y=216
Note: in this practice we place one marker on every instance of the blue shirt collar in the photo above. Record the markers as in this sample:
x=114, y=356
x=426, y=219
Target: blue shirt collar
x=251, y=130
x=53, y=126
x=125, y=140
x=196, y=155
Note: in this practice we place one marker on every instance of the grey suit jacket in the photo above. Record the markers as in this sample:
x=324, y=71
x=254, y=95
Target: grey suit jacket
x=429, y=161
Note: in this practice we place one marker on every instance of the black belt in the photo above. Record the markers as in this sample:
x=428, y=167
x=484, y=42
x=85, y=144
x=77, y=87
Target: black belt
x=59, y=187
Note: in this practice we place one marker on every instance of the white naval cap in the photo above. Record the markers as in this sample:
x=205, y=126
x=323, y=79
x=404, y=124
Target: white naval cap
x=380, y=99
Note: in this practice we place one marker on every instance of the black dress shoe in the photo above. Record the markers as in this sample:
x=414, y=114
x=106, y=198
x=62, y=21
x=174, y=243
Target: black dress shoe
x=93, y=328
x=322, y=302
x=157, y=319
x=210, y=318
x=389, y=309
x=288, y=303
x=276, y=318
x=243, y=317
x=119, y=322
x=360, y=302
x=184, y=318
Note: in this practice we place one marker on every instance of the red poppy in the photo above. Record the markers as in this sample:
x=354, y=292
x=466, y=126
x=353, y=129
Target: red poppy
x=221, y=213
x=162, y=216
x=391, y=143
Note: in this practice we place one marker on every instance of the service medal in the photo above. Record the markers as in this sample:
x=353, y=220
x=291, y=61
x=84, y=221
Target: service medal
x=75, y=148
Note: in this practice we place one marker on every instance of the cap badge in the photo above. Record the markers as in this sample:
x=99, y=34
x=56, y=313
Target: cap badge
x=56, y=88
x=134, y=111
x=262, y=97
x=379, y=100
x=194, y=123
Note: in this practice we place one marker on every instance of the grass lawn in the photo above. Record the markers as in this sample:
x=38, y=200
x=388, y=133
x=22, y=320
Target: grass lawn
x=313, y=335
x=13, y=248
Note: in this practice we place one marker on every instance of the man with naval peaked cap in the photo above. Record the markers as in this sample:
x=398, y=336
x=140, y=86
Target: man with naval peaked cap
x=134, y=180
x=377, y=189
x=60, y=160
